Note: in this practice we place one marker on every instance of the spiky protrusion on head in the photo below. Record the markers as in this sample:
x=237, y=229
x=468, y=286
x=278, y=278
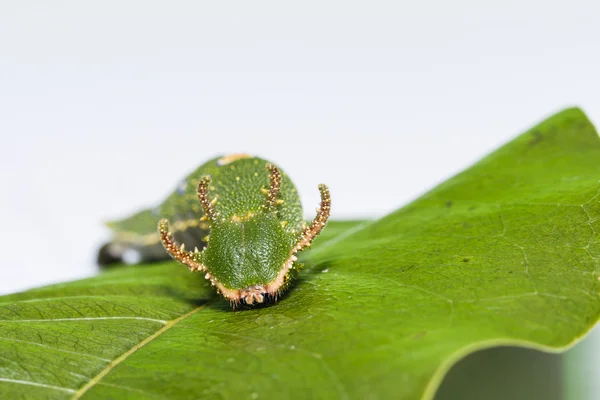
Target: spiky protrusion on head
x=258, y=293
x=177, y=251
x=207, y=205
x=315, y=227
x=274, y=185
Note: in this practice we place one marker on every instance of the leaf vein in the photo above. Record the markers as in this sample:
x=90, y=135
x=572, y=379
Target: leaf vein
x=37, y=384
x=54, y=348
x=83, y=319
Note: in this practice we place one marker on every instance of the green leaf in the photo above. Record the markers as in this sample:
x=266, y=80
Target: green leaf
x=504, y=253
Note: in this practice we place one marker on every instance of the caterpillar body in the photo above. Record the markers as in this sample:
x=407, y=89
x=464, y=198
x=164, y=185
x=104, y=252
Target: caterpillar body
x=237, y=219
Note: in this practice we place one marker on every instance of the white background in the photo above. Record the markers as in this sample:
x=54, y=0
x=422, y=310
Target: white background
x=104, y=106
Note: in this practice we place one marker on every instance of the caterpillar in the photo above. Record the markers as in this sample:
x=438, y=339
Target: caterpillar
x=237, y=219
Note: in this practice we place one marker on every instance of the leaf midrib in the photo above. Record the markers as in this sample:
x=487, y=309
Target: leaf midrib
x=84, y=389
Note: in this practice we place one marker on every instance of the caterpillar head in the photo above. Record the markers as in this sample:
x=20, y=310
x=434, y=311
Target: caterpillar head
x=249, y=256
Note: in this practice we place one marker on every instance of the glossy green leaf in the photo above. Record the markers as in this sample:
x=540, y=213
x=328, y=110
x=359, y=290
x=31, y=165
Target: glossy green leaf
x=504, y=253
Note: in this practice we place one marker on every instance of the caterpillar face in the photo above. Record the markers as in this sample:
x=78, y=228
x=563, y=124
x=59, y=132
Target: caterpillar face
x=248, y=260
x=255, y=222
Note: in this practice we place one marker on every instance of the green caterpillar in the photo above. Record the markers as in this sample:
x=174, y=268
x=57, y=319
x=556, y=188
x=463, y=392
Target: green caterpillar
x=245, y=215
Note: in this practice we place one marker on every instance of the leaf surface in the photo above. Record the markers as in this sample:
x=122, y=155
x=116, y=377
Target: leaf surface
x=505, y=252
